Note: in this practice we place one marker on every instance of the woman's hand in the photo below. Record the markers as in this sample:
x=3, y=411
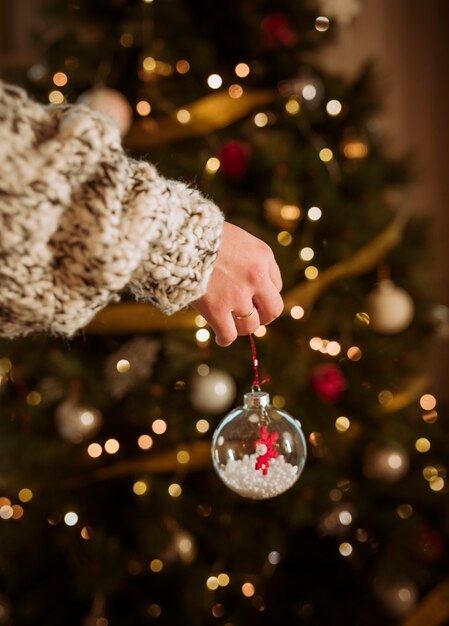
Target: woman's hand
x=243, y=290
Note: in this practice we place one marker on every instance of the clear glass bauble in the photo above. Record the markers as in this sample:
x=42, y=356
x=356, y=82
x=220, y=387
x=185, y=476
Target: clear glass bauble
x=259, y=451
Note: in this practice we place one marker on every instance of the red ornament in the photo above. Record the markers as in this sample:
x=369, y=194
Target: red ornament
x=276, y=31
x=328, y=382
x=265, y=449
x=234, y=159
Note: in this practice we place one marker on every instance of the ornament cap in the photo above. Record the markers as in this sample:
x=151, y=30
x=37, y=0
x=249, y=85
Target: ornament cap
x=256, y=399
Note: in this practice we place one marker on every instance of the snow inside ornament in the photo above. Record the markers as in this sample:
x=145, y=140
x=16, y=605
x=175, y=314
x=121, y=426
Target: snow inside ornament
x=258, y=451
x=112, y=103
x=390, y=308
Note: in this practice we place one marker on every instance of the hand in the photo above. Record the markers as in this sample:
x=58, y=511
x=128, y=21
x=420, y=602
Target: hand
x=245, y=279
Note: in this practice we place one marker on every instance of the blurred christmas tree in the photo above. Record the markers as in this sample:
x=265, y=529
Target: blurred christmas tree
x=110, y=512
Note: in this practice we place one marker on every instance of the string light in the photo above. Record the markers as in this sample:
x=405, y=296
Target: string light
x=149, y=64
x=217, y=610
x=261, y=120
x=274, y=557
x=202, y=336
x=292, y=106
x=212, y=165
x=143, y=108
x=297, y=312
x=202, y=426
x=290, y=212
x=261, y=331
x=212, y=583
x=156, y=566
x=311, y=272
x=174, y=490
x=342, y=424
x=354, y=353
x=316, y=343
x=333, y=348
x=427, y=402
x=404, y=511
x=334, y=107
x=306, y=254
x=183, y=116
x=422, y=444
x=200, y=321
x=126, y=40
x=154, y=610
x=25, y=495
x=5, y=365
x=345, y=548
x=309, y=92
x=326, y=155
x=215, y=81
x=436, y=483
x=140, y=487
x=235, y=91
x=159, y=426
x=60, y=79
x=183, y=457
x=182, y=66
x=223, y=579
x=314, y=213
x=242, y=70
x=279, y=401
x=71, y=518
x=112, y=446
x=94, y=450
x=34, y=398
x=6, y=511
x=248, y=590
x=86, y=533
x=284, y=238
x=145, y=442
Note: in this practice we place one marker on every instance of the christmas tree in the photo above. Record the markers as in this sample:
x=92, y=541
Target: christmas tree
x=110, y=510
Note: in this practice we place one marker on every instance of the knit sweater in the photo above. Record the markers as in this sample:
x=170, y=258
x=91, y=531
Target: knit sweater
x=80, y=222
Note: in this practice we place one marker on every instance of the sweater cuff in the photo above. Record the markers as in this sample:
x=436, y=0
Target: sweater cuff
x=180, y=255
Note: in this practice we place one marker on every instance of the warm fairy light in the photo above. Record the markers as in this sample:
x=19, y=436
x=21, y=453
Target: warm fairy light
x=316, y=343
x=203, y=369
x=17, y=511
x=183, y=457
x=242, y=70
x=60, y=79
x=235, y=91
x=86, y=533
x=248, y=590
x=223, y=579
x=182, y=66
x=306, y=254
x=71, y=518
x=284, y=238
x=261, y=120
x=112, y=446
x=200, y=321
x=34, y=398
x=345, y=518
x=156, y=566
x=94, y=450
x=309, y=92
x=202, y=426
x=217, y=610
x=429, y=472
x=87, y=418
x=430, y=417
x=183, y=116
x=5, y=365
x=297, y=312
x=422, y=444
x=212, y=165
x=322, y=23
x=311, y=272
x=202, y=335
x=261, y=331
x=326, y=155
x=333, y=107
x=314, y=213
x=279, y=401
x=362, y=318
x=56, y=97
x=355, y=149
x=404, y=511
x=290, y=212
x=292, y=106
x=6, y=511
x=215, y=81
x=5, y=501
x=335, y=495
x=333, y=348
x=212, y=583
x=361, y=535
x=342, y=424
x=148, y=1
x=143, y=108
x=159, y=426
x=394, y=460
x=274, y=557
x=345, y=549
x=384, y=397
x=149, y=64
x=436, y=483
x=154, y=610
x=126, y=40
x=140, y=487
x=174, y=490
x=145, y=442
x=354, y=353
x=25, y=495
x=123, y=366
x=427, y=402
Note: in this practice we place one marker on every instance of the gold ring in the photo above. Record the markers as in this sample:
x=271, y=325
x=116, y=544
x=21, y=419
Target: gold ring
x=244, y=317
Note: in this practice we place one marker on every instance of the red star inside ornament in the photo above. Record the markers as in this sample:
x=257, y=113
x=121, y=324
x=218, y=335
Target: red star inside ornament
x=265, y=449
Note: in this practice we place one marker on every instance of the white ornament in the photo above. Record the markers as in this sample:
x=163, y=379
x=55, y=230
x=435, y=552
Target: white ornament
x=75, y=422
x=390, y=308
x=110, y=102
x=212, y=390
x=387, y=462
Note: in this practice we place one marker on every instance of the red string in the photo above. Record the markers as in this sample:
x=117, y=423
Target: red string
x=256, y=382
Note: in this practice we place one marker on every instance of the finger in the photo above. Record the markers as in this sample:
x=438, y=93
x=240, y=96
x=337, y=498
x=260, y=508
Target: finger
x=224, y=328
x=249, y=324
x=269, y=305
x=275, y=275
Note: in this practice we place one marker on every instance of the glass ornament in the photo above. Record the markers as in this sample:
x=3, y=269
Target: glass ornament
x=258, y=451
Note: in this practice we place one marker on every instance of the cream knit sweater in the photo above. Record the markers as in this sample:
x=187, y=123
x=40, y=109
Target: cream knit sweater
x=80, y=222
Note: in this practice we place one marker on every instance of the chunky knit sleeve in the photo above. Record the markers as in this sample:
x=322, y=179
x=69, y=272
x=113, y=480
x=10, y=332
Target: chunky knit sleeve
x=80, y=222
